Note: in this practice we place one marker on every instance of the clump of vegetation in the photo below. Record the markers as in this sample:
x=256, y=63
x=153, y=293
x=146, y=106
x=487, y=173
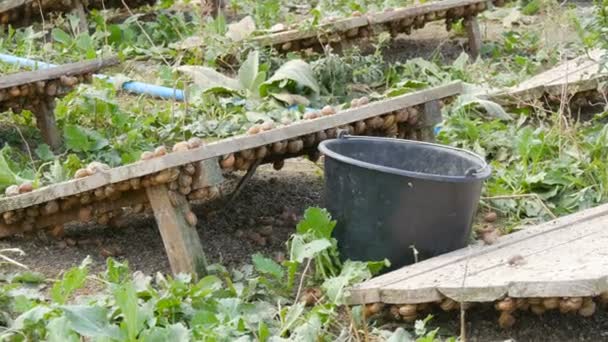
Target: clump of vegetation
x=261, y=302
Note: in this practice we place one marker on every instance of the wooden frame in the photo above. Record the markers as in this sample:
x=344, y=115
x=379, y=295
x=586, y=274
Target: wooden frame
x=44, y=110
x=172, y=213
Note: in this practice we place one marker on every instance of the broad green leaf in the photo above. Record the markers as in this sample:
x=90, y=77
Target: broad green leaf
x=376, y=266
x=7, y=176
x=301, y=250
x=240, y=30
x=296, y=71
x=43, y=151
x=291, y=316
x=318, y=222
x=33, y=315
x=174, y=332
x=352, y=272
x=249, y=71
x=493, y=109
x=400, y=335
x=267, y=266
x=210, y=80
x=116, y=272
x=58, y=330
x=72, y=280
x=81, y=139
x=29, y=277
x=126, y=299
x=91, y=321
x=61, y=37
x=310, y=330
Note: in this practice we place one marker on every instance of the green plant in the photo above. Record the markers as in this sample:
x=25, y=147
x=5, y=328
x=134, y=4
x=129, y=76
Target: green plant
x=254, y=302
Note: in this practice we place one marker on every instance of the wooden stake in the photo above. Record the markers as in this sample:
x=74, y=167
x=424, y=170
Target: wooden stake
x=472, y=26
x=430, y=118
x=78, y=10
x=181, y=240
x=45, y=120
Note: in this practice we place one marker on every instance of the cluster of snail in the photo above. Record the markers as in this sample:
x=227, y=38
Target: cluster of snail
x=507, y=307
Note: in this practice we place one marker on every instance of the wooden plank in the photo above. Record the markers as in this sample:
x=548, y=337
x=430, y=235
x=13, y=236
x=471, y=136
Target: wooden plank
x=181, y=240
x=226, y=146
x=340, y=25
x=7, y=5
x=474, y=37
x=419, y=9
x=346, y=24
x=77, y=68
x=551, y=266
x=580, y=74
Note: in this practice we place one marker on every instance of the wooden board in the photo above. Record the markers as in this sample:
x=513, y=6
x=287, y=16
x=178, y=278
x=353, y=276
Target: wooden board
x=226, y=146
x=362, y=21
x=6, y=5
x=580, y=74
x=77, y=68
x=561, y=258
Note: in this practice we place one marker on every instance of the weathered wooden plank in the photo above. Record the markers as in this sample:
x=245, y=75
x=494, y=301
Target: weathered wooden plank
x=6, y=5
x=563, y=257
x=340, y=25
x=346, y=24
x=580, y=74
x=77, y=68
x=419, y=9
x=226, y=146
x=181, y=240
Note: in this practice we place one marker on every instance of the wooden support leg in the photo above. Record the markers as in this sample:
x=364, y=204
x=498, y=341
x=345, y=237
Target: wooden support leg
x=174, y=219
x=78, y=10
x=472, y=26
x=430, y=118
x=45, y=119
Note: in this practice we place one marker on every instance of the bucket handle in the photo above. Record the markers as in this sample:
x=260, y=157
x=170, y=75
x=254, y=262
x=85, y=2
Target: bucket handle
x=472, y=172
x=342, y=134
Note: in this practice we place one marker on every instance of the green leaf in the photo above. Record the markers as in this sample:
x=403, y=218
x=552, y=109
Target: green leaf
x=175, y=332
x=7, y=176
x=134, y=316
x=493, y=109
x=263, y=332
x=267, y=266
x=400, y=335
x=296, y=71
x=301, y=250
x=293, y=314
x=72, y=280
x=58, y=330
x=91, y=321
x=248, y=72
x=352, y=272
x=209, y=80
x=318, y=222
x=80, y=139
x=61, y=37
x=376, y=266
x=29, y=278
x=33, y=315
x=43, y=151
x=116, y=272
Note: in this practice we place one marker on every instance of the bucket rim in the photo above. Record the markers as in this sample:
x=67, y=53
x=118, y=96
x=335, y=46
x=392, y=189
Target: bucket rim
x=481, y=173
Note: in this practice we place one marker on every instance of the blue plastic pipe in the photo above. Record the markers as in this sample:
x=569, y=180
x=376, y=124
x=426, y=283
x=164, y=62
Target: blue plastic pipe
x=132, y=87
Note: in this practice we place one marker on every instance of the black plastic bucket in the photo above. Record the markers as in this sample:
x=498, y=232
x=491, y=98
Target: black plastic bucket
x=390, y=194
